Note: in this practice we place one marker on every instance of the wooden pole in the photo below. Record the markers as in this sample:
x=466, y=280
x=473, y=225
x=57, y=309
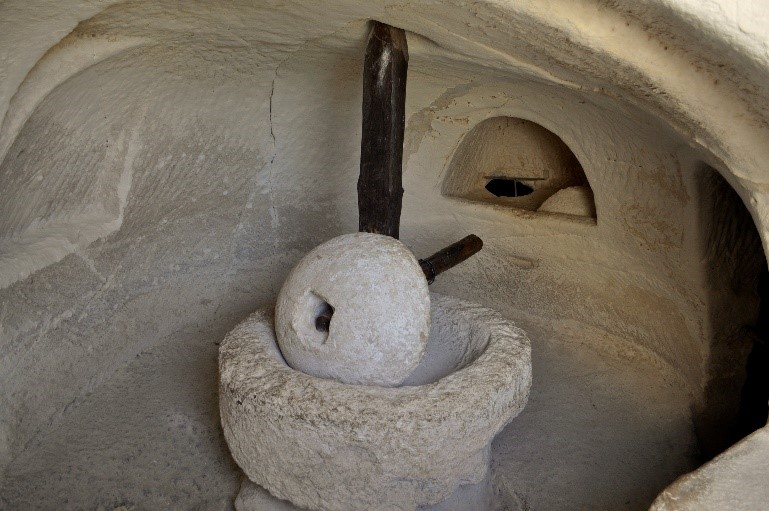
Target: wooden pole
x=380, y=189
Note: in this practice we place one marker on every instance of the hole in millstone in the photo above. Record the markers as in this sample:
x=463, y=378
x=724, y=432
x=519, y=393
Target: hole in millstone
x=323, y=314
x=508, y=188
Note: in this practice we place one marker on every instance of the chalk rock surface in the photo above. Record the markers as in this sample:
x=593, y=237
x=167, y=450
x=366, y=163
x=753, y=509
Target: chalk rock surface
x=734, y=480
x=574, y=200
x=480, y=496
x=378, y=295
x=325, y=445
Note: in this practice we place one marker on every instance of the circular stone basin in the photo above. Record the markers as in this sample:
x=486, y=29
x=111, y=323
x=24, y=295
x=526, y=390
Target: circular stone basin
x=326, y=445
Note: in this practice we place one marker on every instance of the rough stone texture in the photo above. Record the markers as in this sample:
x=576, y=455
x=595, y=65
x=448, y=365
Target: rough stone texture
x=253, y=497
x=166, y=163
x=574, y=200
x=196, y=111
x=469, y=497
x=381, y=311
x=735, y=480
x=588, y=438
x=329, y=446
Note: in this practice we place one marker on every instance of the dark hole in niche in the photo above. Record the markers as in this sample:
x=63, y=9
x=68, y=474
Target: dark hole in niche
x=502, y=187
x=323, y=316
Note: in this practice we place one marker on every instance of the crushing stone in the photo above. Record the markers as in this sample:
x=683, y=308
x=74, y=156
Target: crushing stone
x=375, y=294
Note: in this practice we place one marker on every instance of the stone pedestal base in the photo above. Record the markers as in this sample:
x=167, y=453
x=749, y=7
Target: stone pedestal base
x=479, y=497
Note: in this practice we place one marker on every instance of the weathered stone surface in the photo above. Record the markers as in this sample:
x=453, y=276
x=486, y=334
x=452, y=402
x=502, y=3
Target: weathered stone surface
x=479, y=496
x=735, y=480
x=574, y=200
x=330, y=446
x=234, y=132
x=253, y=497
x=381, y=311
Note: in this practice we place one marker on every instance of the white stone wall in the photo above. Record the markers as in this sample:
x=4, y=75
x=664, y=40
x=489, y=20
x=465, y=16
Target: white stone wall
x=165, y=164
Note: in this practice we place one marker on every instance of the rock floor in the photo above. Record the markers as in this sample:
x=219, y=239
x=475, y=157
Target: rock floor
x=598, y=433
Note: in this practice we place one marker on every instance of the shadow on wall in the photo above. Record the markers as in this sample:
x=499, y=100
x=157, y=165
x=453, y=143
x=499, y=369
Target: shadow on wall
x=736, y=393
x=518, y=163
x=754, y=402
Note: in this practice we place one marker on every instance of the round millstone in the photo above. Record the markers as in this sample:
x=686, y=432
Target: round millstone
x=355, y=309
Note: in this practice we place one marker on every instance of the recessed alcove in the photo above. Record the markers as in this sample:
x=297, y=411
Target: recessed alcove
x=518, y=163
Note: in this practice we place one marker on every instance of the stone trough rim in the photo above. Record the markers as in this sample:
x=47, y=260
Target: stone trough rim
x=462, y=411
x=488, y=358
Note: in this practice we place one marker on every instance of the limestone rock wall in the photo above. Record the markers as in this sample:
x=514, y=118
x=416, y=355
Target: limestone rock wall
x=164, y=164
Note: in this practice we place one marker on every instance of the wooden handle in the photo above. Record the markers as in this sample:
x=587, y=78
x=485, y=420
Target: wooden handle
x=450, y=256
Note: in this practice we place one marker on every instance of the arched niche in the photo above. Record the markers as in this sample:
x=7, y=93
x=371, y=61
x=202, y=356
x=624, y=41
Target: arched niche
x=518, y=163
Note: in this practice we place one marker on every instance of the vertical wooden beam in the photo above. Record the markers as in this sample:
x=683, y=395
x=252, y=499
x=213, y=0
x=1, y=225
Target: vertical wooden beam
x=380, y=189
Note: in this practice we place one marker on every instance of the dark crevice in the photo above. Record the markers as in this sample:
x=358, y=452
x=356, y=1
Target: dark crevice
x=737, y=388
x=501, y=187
x=754, y=403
